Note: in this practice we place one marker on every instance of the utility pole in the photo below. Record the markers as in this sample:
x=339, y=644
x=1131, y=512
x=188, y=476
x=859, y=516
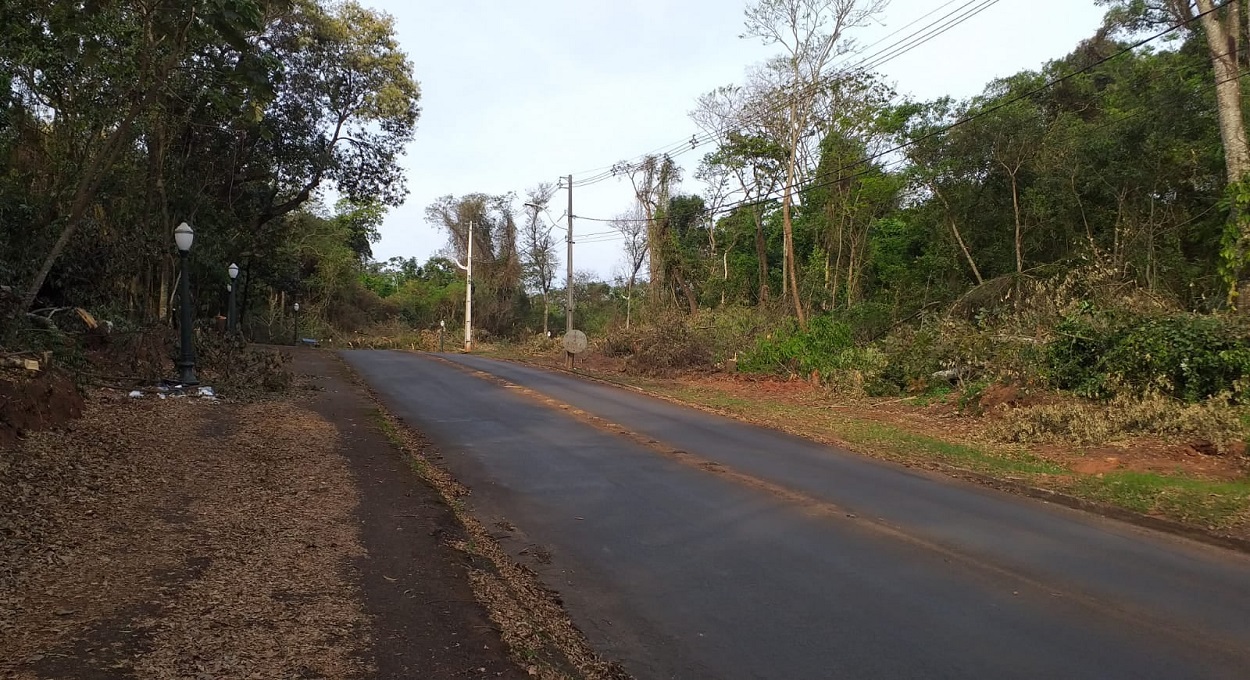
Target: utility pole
x=568, y=356
x=468, y=297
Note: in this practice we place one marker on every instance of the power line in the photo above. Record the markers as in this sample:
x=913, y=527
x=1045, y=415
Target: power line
x=984, y=112
x=901, y=161
x=684, y=146
x=924, y=35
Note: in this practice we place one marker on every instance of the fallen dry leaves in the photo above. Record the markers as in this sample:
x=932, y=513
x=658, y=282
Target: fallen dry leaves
x=530, y=617
x=180, y=539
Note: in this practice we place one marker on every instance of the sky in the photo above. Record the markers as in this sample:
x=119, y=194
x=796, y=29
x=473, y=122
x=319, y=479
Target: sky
x=516, y=92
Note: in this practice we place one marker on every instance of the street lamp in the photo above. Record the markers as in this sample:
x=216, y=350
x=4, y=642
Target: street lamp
x=184, y=235
x=296, y=338
x=231, y=314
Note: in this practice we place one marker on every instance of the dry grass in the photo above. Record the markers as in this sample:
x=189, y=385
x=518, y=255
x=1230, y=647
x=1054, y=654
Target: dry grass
x=1084, y=423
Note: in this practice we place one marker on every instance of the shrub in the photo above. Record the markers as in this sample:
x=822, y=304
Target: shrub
x=818, y=349
x=666, y=348
x=826, y=349
x=621, y=342
x=1185, y=356
x=969, y=351
x=1084, y=423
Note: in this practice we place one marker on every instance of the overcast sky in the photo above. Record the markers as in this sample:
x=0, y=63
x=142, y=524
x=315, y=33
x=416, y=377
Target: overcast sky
x=514, y=92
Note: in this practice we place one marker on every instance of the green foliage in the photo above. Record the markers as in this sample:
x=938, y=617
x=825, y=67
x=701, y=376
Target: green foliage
x=826, y=349
x=1183, y=356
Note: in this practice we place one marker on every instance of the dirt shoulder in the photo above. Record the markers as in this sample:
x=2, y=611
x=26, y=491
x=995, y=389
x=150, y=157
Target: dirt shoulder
x=196, y=538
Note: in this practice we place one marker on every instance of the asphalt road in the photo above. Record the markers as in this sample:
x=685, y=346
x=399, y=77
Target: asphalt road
x=752, y=554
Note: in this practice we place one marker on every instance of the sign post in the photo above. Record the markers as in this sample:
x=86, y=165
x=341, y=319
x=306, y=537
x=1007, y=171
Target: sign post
x=574, y=343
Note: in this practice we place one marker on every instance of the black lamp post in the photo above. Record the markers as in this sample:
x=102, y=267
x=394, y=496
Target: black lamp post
x=232, y=316
x=184, y=235
x=295, y=340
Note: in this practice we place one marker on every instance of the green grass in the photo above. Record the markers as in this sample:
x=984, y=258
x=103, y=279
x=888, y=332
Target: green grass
x=388, y=430
x=1211, y=504
x=880, y=436
x=874, y=437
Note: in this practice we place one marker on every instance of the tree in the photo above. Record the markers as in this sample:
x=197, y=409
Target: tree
x=686, y=220
x=91, y=102
x=653, y=179
x=810, y=33
x=539, y=255
x=497, y=272
x=746, y=153
x=229, y=114
x=632, y=227
x=1221, y=26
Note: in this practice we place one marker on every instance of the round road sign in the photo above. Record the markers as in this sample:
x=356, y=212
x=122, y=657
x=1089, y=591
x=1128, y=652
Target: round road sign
x=575, y=342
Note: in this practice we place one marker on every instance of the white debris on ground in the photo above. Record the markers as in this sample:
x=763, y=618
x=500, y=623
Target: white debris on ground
x=176, y=391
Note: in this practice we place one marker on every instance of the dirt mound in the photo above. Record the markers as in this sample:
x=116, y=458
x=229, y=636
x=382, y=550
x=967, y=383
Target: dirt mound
x=29, y=404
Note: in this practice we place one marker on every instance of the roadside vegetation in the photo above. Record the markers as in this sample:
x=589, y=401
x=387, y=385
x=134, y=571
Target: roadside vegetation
x=1053, y=271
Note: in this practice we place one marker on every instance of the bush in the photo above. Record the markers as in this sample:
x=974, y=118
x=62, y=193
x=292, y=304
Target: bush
x=826, y=349
x=1083, y=423
x=791, y=350
x=621, y=342
x=666, y=348
x=1185, y=356
x=233, y=367
x=969, y=351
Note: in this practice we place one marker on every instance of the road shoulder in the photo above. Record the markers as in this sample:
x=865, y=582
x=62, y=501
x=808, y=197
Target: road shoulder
x=188, y=537
x=426, y=621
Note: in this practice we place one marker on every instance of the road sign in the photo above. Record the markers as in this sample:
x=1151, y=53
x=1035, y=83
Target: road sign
x=575, y=342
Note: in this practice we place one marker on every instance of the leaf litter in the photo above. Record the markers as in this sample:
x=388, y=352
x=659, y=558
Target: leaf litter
x=181, y=539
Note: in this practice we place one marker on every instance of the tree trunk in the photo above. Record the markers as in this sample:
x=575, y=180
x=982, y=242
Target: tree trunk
x=792, y=264
x=1222, y=38
x=950, y=219
x=761, y=254
x=1222, y=44
x=787, y=199
x=1015, y=203
x=689, y=293
x=546, y=312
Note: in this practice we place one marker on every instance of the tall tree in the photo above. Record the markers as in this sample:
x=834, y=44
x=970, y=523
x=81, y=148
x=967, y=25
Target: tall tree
x=497, y=288
x=747, y=154
x=653, y=179
x=539, y=255
x=811, y=35
x=632, y=226
x=1220, y=24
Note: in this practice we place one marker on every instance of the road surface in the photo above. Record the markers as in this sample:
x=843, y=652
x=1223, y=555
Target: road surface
x=686, y=545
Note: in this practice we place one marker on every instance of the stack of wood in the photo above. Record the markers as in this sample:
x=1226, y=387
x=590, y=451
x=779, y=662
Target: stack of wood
x=22, y=361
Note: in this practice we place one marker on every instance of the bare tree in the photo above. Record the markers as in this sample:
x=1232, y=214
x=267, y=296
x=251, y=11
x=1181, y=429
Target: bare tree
x=810, y=33
x=539, y=255
x=653, y=179
x=632, y=226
